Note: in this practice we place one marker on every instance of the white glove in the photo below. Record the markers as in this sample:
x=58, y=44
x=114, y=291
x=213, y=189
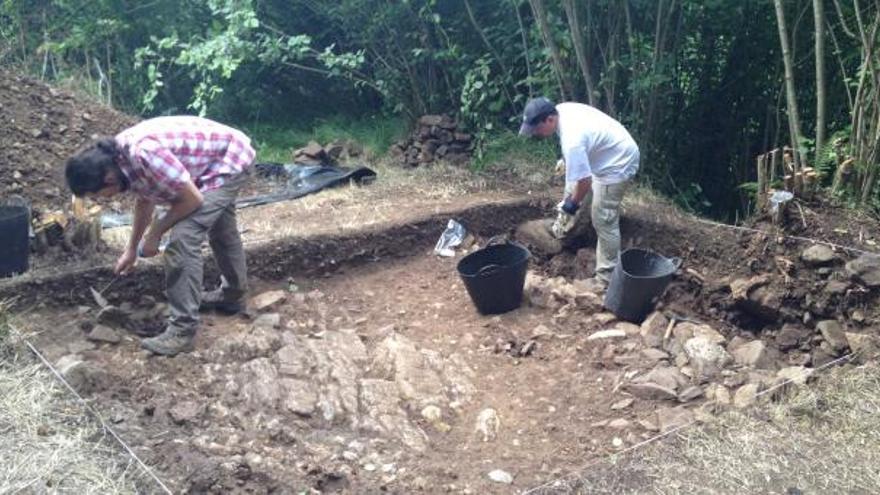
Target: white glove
x=563, y=224
x=560, y=168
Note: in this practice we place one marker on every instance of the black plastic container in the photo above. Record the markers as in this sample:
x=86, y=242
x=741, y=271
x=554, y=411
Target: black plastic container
x=639, y=277
x=494, y=277
x=14, y=242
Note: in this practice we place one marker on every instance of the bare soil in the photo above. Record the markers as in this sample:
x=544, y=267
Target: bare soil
x=42, y=126
x=378, y=374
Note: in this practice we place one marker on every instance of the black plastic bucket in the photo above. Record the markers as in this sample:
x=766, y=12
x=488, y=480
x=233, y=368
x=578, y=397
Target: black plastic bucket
x=494, y=277
x=14, y=246
x=639, y=277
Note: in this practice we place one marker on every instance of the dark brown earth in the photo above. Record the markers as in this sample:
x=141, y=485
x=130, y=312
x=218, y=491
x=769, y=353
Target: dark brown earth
x=372, y=372
x=42, y=126
x=393, y=319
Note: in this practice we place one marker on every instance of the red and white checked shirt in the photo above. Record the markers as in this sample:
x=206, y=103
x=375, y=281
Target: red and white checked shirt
x=160, y=155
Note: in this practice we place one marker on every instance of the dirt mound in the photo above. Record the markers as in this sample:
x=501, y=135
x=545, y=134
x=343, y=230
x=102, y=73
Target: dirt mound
x=40, y=126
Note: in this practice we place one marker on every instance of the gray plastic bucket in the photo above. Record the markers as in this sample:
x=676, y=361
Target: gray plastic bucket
x=639, y=277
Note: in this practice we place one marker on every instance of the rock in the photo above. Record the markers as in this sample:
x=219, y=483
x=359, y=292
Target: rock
x=103, y=333
x=536, y=235
x=752, y=296
x=259, y=342
x=746, y=395
x=671, y=418
x=619, y=424
x=706, y=356
x=267, y=300
x=621, y=404
x=488, y=424
x=755, y=354
x=865, y=269
x=432, y=414
x=718, y=393
x=115, y=317
x=613, y=333
x=541, y=331
x=866, y=347
x=268, y=320
x=295, y=360
x=501, y=476
x=690, y=393
x=689, y=329
x=665, y=376
x=735, y=343
x=796, y=374
x=185, y=412
x=630, y=329
x=818, y=255
x=298, y=396
x=653, y=329
x=836, y=287
x=654, y=355
x=334, y=150
x=312, y=150
x=86, y=378
x=259, y=385
x=822, y=355
x=381, y=402
x=792, y=336
x=833, y=333
x=651, y=391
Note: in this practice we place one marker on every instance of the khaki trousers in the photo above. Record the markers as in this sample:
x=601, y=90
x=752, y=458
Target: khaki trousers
x=183, y=255
x=604, y=216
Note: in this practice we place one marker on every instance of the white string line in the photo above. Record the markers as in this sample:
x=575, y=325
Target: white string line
x=98, y=416
x=634, y=447
x=785, y=236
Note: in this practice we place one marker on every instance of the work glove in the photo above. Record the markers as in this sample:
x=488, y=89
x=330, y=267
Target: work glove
x=565, y=218
x=559, y=170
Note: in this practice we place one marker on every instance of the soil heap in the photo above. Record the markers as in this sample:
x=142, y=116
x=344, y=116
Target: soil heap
x=40, y=127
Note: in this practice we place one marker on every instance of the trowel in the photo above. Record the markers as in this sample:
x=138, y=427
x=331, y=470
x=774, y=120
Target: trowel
x=100, y=300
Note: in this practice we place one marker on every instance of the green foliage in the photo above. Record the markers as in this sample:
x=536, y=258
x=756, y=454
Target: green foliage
x=506, y=148
x=696, y=81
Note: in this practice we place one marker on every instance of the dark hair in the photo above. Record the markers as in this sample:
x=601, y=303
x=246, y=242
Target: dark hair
x=541, y=117
x=86, y=170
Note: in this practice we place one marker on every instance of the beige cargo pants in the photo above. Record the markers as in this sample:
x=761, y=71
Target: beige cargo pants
x=215, y=219
x=604, y=216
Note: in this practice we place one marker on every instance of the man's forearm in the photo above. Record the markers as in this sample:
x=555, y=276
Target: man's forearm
x=581, y=189
x=143, y=213
x=189, y=200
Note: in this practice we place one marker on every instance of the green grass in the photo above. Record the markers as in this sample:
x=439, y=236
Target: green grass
x=276, y=142
x=508, y=149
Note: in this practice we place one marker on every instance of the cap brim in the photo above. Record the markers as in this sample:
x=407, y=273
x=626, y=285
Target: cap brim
x=526, y=130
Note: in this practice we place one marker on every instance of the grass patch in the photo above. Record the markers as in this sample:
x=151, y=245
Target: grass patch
x=821, y=439
x=275, y=142
x=48, y=443
x=509, y=149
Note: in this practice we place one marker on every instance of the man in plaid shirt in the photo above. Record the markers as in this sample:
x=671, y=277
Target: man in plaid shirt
x=196, y=167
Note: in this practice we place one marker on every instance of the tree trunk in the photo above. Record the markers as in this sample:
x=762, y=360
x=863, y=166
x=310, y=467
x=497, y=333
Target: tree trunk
x=794, y=122
x=547, y=35
x=819, y=19
x=577, y=39
x=522, y=31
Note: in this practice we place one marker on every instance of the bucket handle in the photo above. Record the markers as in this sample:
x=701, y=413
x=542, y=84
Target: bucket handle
x=488, y=270
x=497, y=239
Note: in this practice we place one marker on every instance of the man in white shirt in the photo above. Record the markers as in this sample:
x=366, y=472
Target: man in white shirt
x=600, y=158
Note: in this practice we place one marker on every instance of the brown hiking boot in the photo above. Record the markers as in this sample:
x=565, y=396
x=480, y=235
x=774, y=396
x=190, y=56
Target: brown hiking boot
x=215, y=300
x=169, y=343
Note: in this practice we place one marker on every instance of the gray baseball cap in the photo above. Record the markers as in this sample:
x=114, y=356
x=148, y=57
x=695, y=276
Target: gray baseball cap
x=536, y=109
